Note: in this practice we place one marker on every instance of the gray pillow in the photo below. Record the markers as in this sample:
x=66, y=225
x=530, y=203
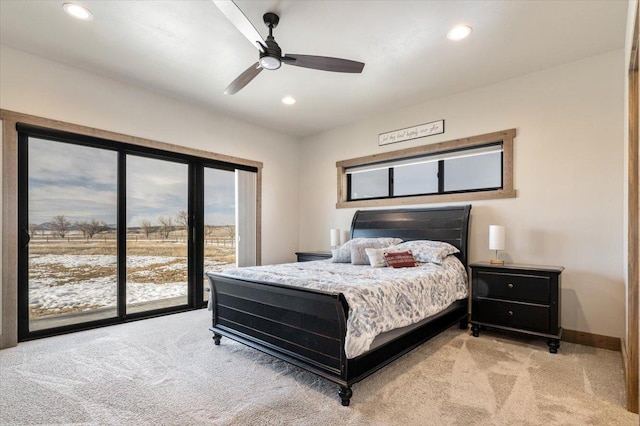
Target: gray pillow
x=359, y=251
x=426, y=251
x=340, y=255
x=343, y=253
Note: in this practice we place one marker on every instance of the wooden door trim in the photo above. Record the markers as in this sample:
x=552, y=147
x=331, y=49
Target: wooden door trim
x=633, y=243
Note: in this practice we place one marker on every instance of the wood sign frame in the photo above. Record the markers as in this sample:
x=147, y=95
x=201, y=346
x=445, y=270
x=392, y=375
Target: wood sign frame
x=415, y=132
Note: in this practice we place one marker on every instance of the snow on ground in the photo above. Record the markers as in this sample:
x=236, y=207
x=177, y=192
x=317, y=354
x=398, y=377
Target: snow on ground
x=72, y=261
x=46, y=293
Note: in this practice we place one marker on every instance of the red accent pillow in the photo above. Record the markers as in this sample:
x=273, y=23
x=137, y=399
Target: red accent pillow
x=400, y=259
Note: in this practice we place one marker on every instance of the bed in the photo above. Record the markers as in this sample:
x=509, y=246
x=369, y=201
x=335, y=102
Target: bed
x=308, y=327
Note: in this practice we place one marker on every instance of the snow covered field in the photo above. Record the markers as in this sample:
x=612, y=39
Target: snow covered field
x=77, y=283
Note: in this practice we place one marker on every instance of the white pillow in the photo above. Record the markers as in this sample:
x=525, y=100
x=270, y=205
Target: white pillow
x=376, y=255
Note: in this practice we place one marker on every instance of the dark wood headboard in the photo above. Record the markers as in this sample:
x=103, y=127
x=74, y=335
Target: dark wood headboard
x=449, y=224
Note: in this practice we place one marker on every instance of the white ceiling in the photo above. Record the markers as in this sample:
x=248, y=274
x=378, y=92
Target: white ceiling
x=189, y=50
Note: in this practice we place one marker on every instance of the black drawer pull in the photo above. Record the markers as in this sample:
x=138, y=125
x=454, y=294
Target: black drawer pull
x=510, y=285
x=510, y=312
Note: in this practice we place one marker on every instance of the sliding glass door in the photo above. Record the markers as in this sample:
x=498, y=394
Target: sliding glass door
x=157, y=234
x=219, y=222
x=71, y=233
x=111, y=232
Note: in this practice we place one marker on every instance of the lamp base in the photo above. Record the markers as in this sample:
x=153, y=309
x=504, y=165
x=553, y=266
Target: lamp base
x=496, y=262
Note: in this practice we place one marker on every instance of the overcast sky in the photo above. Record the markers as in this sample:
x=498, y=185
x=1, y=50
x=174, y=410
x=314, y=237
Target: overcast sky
x=80, y=183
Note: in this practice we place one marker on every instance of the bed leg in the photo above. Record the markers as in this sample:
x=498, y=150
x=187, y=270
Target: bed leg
x=345, y=394
x=216, y=338
x=475, y=330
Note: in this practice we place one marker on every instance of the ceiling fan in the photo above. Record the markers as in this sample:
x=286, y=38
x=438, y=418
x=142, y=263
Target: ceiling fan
x=271, y=57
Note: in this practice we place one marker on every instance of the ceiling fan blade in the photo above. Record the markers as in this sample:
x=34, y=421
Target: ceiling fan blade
x=323, y=63
x=243, y=79
x=240, y=21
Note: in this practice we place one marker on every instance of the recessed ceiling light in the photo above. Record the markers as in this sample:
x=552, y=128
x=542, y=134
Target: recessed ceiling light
x=77, y=11
x=459, y=32
x=288, y=100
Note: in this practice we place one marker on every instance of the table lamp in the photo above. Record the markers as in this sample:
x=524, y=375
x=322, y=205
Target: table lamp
x=335, y=238
x=496, y=242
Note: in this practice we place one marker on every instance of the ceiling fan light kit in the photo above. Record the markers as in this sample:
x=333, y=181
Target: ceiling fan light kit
x=270, y=55
x=269, y=62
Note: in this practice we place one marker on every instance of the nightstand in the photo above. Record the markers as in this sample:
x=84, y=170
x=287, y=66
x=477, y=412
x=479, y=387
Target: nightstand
x=306, y=256
x=521, y=298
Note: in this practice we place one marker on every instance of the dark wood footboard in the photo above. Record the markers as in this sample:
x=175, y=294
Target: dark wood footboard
x=302, y=326
x=307, y=328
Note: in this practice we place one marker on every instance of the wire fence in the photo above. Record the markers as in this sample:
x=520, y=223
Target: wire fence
x=108, y=238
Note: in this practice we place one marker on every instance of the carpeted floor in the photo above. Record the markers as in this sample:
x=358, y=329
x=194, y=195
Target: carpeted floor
x=166, y=371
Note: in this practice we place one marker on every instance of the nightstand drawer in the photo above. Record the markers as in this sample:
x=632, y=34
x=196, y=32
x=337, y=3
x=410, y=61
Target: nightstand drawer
x=515, y=315
x=511, y=286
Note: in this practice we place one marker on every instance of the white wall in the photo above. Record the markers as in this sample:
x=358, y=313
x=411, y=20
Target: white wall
x=36, y=86
x=567, y=173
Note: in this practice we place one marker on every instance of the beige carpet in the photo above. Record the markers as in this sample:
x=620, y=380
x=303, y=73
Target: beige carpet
x=167, y=371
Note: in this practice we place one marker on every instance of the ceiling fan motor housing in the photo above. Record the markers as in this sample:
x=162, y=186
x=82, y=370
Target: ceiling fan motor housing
x=270, y=58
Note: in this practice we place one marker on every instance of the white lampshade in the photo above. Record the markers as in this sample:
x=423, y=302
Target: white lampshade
x=496, y=237
x=345, y=236
x=335, y=237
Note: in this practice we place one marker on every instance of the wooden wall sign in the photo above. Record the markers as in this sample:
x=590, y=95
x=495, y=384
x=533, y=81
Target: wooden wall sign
x=415, y=132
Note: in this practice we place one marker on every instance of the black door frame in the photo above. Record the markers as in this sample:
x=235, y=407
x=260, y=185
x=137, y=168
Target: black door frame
x=195, y=233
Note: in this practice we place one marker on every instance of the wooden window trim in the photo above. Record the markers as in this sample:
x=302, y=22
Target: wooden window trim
x=507, y=191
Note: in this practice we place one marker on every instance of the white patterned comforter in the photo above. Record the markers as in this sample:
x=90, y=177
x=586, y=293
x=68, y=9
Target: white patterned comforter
x=380, y=299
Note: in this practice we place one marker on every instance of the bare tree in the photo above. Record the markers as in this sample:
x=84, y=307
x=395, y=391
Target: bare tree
x=97, y=226
x=166, y=226
x=208, y=230
x=146, y=226
x=33, y=228
x=182, y=220
x=231, y=231
x=84, y=227
x=60, y=226
x=92, y=227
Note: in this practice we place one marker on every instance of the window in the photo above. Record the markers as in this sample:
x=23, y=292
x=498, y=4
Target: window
x=157, y=233
x=479, y=167
x=219, y=222
x=112, y=231
x=411, y=179
x=475, y=169
x=71, y=253
x=369, y=183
